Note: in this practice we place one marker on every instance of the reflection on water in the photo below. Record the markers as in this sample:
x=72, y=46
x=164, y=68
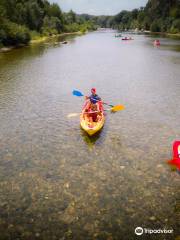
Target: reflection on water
x=58, y=183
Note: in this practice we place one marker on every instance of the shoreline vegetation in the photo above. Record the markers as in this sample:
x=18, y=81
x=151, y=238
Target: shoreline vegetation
x=23, y=22
x=45, y=38
x=26, y=22
x=40, y=39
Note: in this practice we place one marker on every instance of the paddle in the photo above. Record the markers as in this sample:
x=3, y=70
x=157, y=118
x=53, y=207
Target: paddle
x=77, y=93
x=80, y=94
x=114, y=109
x=117, y=108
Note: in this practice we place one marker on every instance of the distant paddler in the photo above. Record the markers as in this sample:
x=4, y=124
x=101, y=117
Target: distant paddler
x=157, y=43
x=127, y=38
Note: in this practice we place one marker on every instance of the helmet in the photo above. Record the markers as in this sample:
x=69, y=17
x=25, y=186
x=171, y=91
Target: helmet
x=93, y=90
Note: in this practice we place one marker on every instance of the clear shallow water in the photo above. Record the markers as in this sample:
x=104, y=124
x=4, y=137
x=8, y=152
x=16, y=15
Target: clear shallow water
x=55, y=181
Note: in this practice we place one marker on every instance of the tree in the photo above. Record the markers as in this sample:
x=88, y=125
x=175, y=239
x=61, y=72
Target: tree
x=70, y=17
x=14, y=34
x=54, y=11
x=34, y=16
x=134, y=13
x=155, y=26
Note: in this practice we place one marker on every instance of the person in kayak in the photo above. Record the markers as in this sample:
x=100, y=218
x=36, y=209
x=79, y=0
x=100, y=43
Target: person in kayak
x=94, y=100
x=93, y=106
x=157, y=43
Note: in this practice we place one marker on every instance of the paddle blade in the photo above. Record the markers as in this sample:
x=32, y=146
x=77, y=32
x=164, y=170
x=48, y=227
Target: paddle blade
x=77, y=93
x=72, y=115
x=117, y=108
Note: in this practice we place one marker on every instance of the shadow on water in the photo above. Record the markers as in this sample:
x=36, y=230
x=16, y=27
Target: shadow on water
x=90, y=140
x=96, y=139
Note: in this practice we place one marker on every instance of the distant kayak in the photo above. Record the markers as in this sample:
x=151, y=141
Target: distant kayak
x=157, y=43
x=92, y=122
x=126, y=39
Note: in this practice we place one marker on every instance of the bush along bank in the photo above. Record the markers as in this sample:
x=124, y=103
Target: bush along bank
x=22, y=21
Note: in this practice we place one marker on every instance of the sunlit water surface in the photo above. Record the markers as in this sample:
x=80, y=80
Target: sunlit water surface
x=55, y=181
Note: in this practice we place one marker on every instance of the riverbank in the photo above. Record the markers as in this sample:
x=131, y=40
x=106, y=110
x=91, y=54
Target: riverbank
x=171, y=35
x=46, y=38
x=38, y=40
x=165, y=34
x=174, y=35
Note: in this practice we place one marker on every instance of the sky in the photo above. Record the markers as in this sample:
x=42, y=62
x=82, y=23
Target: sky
x=99, y=7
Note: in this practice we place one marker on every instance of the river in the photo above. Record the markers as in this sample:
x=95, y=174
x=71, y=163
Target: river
x=55, y=181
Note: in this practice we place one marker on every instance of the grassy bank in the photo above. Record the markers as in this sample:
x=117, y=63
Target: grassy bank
x=166, y=34
x=46, y=38
x=176, y=35
x=37, y=39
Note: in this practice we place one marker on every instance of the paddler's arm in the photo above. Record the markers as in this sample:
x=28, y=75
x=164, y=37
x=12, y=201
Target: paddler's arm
x=86, y=97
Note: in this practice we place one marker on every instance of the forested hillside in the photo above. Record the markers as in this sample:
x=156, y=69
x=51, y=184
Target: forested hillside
x=22, y=20
x=156, y=16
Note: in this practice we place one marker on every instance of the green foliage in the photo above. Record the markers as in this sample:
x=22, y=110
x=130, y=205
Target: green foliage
x=155, y=26
x=2, y=36
x=175, y=28
x=79, y=23
x=70, y=18
x=54, y=11
x=35, y=35
x=2, y=12
x=74, y=27
x=14, y=34
x=157, y=16
x=51, y=25
x=102, y=21
x=34, y=16
x=22, y=20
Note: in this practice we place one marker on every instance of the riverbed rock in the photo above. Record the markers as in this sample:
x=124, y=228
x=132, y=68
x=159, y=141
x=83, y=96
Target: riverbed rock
x=153, y=218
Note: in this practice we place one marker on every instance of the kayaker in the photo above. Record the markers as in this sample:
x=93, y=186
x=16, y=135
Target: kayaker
x=94, y=98
x=157, y=43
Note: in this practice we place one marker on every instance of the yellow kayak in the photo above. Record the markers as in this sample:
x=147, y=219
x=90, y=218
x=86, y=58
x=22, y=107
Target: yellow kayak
x=92, y=127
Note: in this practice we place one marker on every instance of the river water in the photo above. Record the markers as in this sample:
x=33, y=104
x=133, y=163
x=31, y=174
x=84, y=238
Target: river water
x=55, y=181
